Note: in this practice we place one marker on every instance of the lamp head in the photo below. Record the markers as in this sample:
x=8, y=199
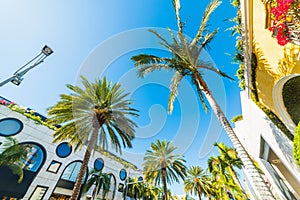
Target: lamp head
x=17, y=80
x=47, y=50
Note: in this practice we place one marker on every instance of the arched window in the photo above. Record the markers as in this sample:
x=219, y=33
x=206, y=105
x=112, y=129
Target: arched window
x=9, y=185
x=71, y=171
x=67, y=180
x=113, y=186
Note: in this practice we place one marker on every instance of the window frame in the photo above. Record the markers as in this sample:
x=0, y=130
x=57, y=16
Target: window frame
x=56, y=150
x=48, y=170
x=13, y=119
x=39, y=186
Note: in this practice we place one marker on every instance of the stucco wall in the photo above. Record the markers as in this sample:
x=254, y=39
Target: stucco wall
x=267, y=71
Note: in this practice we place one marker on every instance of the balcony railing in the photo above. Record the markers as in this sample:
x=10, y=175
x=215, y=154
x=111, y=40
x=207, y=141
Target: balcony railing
x=293, y=24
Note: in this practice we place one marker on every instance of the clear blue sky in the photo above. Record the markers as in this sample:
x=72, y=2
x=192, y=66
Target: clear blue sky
x=75, y=30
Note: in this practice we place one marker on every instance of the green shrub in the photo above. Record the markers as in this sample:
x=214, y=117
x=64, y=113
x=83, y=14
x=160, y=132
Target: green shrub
x=254, y=94
x=296, y=149
x=237, y=118
x=31, y=115
x=273, y=117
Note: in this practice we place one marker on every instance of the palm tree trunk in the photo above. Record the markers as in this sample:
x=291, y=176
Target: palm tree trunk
x=164, y=177
x=199, y=195
x=84, y=165
x=259, y=183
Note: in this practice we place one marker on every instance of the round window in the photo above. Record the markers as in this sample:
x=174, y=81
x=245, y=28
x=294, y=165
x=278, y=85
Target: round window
x=140, y=179
x=10, y=126
x=123, y=174
x=99, y=164
x=63, y=150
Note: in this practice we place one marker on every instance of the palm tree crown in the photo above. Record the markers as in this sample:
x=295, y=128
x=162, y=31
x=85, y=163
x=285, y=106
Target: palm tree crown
x=162, y=165
x=197, y=182
x=99, y=105
x=95, y=115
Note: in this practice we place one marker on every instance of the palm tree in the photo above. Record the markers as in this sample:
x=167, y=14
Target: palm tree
x=185, y=62
x=222, y=179
x=13, y=155
x=162, y=165
x=149, y=192
x=133, y=188
x=229, y=155
x=101, y=180
x=197, y=182
x=92, y=116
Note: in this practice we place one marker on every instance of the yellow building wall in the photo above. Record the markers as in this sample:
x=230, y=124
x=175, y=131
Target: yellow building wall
x=269, y=53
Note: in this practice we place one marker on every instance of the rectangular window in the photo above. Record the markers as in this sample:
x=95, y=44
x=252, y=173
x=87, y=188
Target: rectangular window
x=54, y=166
x=38, y=193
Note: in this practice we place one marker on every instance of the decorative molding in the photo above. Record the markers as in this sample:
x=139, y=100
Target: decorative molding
x=279, y=103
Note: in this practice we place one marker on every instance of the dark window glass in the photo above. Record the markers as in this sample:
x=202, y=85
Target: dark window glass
x=140, y=179
x=123, y=174
x=71, y=172
x=99, y=164
x=63, y=150
x=10, y=126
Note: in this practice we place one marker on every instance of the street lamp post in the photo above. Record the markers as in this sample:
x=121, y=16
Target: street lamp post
x=17, y=77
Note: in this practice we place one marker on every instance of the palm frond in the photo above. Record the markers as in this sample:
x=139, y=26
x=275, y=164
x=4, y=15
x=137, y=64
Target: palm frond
x=174, y=89
x=176, y=4
x=209, y=66
x=208, y=11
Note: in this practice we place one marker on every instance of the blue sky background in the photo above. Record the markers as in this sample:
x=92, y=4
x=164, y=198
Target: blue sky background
x=75, y=29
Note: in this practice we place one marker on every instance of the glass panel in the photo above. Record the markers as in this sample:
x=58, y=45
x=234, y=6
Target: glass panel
x=140, y=179
x=71, y=172
x=54, y=166
x=10, y=126
x=35, y=158
x=123, y=174
x=63, y=150
x=38, y=193
x=99, y=164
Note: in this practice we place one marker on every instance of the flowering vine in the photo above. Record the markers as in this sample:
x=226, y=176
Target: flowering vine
x=282, y=15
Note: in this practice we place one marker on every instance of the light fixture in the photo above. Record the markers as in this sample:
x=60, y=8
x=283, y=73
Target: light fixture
x=16, y=78
x=47, y=50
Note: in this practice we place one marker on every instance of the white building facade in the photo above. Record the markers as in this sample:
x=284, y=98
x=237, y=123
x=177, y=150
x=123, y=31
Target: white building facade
x=51, y=169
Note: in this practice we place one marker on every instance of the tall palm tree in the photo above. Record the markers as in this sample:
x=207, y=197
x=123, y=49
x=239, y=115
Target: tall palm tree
x=161, y=165
x=185, y=62
x=197, y=182
x=101, y=180
x=94, y=115
x=13, y=155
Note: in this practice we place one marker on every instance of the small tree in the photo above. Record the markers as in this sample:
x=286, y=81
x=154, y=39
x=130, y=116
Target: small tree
x=13, y=155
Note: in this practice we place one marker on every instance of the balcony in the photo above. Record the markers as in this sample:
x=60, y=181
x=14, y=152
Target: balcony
x=293, y=25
